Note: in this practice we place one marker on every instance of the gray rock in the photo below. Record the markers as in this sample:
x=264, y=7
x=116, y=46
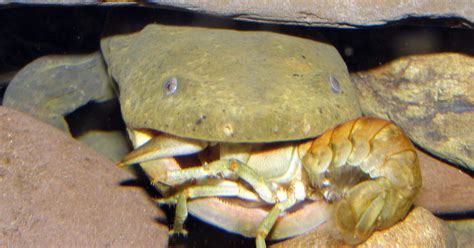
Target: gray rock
x=111, y=144
x=302, y=12
x=53, y=86
x=56, y=192
x=327, y=13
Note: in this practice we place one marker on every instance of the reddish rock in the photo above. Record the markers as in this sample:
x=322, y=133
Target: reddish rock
x=445, y=188
x=57, y=192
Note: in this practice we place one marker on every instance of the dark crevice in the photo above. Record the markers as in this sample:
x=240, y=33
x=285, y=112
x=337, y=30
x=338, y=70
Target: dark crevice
x=96, y=116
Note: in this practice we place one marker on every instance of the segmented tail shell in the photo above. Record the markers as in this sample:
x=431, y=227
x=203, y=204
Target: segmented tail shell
x=365, y=149
x=377, y=147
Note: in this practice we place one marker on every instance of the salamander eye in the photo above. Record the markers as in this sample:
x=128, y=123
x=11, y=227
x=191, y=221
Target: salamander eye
x=170, y=86
x=335, y=86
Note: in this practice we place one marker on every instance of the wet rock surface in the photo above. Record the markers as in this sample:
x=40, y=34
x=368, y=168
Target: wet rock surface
x=419, y=228
x=58, y=192
x=445, y=188
x=218, y=84
x=430, y=96
x=53, y=86
x=302, y=12
x=326, y=13
x=113, y=145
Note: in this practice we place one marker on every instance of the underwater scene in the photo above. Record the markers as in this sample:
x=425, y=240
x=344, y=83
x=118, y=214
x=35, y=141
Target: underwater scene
x=236, y=124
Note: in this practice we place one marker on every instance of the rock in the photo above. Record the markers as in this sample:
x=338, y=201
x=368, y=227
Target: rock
x=463, y=231
x=71, y=2
x=303, y=12
x=445, y=189
x=54, y=86
x=430, y=96
x=419, y=228
x=111, y=144
x=324, y=13
x=58, y=192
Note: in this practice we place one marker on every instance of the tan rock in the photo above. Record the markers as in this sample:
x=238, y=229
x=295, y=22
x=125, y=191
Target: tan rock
x=445, y=188
x=419, y=228
x=430, y=96
x=57, y=192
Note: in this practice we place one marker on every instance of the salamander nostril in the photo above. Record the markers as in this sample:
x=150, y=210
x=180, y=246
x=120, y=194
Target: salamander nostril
x=171, y=86
x=335, y=86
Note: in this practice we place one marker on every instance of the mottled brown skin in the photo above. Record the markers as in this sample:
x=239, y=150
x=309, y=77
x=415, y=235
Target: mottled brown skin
x=229, y=85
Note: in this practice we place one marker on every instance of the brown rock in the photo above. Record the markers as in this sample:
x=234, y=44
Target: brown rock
x=445, y=188
x=430, y=96
x=419, y=228
x=57, y=192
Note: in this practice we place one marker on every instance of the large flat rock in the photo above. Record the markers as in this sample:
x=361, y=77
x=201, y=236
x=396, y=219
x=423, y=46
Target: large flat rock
x=303, y=12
